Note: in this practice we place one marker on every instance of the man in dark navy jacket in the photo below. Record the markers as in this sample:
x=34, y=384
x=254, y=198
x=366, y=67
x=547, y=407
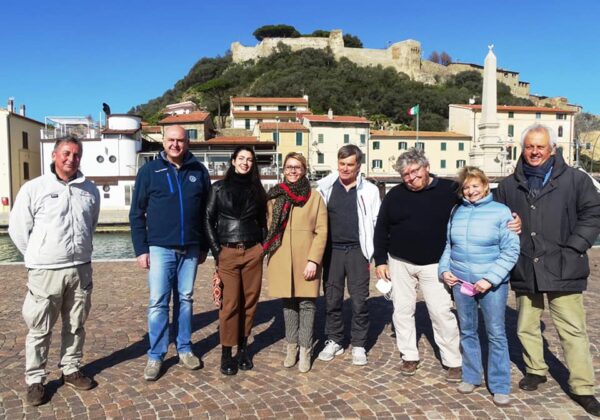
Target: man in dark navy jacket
x=166, y=219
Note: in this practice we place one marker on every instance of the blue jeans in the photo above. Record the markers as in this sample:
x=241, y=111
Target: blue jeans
x=493, y=308
x=171, y=269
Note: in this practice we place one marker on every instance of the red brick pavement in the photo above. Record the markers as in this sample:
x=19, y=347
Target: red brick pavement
x=115, y=355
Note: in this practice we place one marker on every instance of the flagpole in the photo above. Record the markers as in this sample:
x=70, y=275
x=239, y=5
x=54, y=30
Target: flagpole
x=418, y=112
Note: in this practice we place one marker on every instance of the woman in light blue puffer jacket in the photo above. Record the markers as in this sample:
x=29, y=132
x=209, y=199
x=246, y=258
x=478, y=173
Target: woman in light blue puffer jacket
x=480, y=252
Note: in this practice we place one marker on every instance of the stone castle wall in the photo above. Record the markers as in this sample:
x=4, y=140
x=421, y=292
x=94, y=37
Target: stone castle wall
x=404, y=56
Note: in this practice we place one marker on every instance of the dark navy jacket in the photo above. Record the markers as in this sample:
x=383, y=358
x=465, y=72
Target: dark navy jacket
x=168, y=205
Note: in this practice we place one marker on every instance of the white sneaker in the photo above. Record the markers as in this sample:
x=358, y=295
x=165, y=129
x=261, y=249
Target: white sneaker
x=331, y=350
x=359, y=356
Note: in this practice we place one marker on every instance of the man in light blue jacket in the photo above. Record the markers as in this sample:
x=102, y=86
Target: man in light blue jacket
x=52, y=223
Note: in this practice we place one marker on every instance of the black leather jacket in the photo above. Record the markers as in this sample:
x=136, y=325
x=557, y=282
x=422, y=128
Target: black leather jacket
x=233, y=214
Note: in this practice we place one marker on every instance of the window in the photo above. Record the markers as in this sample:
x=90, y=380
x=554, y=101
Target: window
x=402, y=145
x=298, y=139
x=192, y=134
x=509, y=152
x=276, y=137
x=460, y=163
x=377, y=164
x=346, y=138
x=443, y=163
x=320, y=137
x=375, y=145
x=259, y=107
x=320, y=157
x=112, y=159
x=363, y=139
x=99, y=159
x=282, y=108
x=419, y=145
x=511, y=130
x=25, y=141
x=560, y=131
x=461, y=146
x=106, y=188
x=25, y=170
x=538, y=115
x=246, y=107
x=443, y=146
x=511, y=114
x=247, y=124
x=561, y=117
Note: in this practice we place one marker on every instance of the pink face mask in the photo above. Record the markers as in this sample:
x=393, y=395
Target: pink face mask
x=467, y=288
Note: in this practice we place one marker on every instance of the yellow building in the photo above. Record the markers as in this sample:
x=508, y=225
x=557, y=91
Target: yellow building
x=288, y=137
x=446, y=151
x=19, y=152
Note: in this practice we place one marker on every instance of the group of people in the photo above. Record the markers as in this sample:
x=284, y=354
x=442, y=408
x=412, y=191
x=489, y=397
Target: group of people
x=455, y=241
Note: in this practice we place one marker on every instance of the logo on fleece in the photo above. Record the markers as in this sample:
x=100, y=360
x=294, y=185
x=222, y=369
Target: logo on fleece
x=193, y=178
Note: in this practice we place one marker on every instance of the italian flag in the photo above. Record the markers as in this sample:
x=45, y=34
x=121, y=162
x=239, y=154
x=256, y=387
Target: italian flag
x=414, y=110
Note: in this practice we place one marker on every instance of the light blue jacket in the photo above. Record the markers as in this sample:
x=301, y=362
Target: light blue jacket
x=479, y=245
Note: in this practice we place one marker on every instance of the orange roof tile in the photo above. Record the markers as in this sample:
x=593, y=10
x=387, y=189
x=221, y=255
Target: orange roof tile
x=197, y=116
x=337, y=119
x=262, y=101
x=151, y=128
x=516, y=108
x=282, y=126
x=422, y=134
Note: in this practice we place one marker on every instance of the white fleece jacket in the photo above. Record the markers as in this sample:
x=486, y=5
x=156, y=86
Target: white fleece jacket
x=52, y=222
x=368, y=202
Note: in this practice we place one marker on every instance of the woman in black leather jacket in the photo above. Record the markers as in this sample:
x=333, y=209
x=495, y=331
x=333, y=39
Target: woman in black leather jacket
x=235, y=228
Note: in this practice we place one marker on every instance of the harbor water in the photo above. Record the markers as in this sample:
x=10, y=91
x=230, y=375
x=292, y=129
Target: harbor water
x=107, y=246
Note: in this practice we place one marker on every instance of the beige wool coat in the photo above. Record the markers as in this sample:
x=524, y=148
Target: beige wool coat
x=304, y=239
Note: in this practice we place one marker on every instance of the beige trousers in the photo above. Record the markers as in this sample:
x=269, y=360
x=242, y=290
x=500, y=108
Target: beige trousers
x=568, y=316
x=64, y=291
x=405, y=279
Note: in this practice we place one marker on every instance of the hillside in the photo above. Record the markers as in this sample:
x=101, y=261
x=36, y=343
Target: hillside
x=380, y=94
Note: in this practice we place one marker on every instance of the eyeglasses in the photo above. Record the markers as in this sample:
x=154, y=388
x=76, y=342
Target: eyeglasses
x=411, y=174
x=293, y=168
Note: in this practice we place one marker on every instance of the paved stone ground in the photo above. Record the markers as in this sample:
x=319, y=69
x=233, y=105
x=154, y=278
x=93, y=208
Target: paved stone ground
x=115, y=356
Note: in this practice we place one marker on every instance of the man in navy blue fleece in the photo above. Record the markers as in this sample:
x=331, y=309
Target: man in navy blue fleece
x=166, y=219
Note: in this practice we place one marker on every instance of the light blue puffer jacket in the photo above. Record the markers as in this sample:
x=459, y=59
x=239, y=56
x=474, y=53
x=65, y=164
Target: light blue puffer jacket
x=479, y=245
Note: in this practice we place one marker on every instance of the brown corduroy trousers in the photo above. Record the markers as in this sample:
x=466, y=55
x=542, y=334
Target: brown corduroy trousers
x=241, y=273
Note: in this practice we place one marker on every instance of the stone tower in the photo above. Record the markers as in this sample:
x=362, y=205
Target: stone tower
x=487, y=150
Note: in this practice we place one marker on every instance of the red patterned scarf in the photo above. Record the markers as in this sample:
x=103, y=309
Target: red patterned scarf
x=285, y=195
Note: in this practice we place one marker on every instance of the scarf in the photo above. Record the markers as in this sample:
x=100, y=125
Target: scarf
x=285, y=195
x=536, y=175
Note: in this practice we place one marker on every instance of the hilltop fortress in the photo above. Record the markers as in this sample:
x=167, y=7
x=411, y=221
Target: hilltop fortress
x=404, y=56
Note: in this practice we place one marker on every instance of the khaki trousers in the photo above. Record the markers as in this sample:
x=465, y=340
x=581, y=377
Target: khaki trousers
x=406, y=277
x=241, y=273
x=568, y=316
x=64, y=291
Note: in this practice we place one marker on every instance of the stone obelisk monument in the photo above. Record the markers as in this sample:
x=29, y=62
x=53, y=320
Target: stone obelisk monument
x=487, y=150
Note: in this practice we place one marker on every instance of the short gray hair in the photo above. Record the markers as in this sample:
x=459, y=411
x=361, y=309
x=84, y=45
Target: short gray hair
x=539, y=128
x=410, y=157
x=350, y=150
x=68, y=139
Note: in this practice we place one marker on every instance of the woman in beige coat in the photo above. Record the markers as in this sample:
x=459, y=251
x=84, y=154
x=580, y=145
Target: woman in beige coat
x=297, y=220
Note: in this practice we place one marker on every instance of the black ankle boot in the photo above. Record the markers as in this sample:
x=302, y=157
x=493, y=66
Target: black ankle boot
x=244, y=361
x=228, y=363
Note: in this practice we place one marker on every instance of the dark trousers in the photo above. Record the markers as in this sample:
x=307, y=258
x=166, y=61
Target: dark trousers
x=241, y=274
x=341, y=265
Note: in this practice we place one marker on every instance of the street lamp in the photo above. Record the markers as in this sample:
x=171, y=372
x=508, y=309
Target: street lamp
x=593, y=150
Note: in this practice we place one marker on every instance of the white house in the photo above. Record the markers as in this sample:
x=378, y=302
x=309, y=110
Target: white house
x=109, y=155
x=245, y=112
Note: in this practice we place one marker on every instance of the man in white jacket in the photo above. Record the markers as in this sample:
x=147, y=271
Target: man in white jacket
x=352, y=207
x=52, y=223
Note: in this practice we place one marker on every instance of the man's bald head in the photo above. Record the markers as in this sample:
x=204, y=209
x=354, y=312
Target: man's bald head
x=176, y=144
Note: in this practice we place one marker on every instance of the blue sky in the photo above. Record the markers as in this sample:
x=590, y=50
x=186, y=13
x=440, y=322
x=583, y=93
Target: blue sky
x=67, y=57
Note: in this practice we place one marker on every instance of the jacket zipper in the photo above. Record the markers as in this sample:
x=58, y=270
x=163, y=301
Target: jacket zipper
x=180, y=207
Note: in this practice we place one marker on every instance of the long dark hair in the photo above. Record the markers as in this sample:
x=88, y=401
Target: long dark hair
x=257, y=187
